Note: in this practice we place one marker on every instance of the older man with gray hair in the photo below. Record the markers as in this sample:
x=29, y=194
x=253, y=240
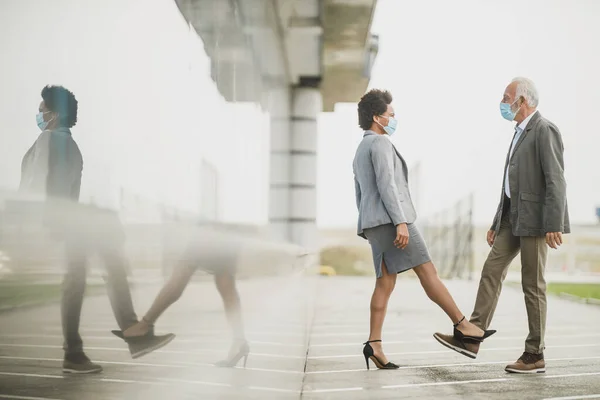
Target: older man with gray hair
x=532, y=215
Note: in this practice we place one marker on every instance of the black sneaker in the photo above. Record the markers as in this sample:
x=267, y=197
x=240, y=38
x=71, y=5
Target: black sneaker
x=79, y=363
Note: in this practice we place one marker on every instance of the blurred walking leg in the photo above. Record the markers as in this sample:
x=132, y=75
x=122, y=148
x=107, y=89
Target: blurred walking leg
x=73, y=291
x=226, y=285
x=169, y=294
x=118, y=289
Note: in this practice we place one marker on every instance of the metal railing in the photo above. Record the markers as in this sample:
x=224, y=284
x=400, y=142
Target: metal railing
x=449, y=235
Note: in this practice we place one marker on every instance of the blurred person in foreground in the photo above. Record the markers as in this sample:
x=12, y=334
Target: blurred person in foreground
x=51, y=170
x=386, y=218
x=532, y=216
x=216, y=253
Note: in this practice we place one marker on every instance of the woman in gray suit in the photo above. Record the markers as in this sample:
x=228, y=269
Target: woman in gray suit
x=386, y=219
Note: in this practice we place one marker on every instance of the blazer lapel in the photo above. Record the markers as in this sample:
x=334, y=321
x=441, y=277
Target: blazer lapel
x=532, y=122
x=404, y=166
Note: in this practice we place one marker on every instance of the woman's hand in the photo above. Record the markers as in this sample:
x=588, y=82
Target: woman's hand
x=402, y=235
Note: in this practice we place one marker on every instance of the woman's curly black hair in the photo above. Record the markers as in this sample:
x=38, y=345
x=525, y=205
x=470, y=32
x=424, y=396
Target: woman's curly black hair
x=62, y=101
x=373, y=103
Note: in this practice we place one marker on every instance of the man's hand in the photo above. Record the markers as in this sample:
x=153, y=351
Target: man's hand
x=554, y=239
x=491, y=236
x=401, y=240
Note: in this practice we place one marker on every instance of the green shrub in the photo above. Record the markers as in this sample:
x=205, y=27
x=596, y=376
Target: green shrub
x=348, y=260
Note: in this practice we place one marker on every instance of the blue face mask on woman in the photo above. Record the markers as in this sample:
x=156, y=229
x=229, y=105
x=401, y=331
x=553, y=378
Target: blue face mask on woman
x=391, y=126
x=39, y=118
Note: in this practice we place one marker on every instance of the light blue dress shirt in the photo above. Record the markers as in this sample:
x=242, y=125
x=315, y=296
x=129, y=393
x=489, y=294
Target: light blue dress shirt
x=518, y=132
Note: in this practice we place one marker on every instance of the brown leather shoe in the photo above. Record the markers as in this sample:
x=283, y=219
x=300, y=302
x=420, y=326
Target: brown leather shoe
x=466, y=347
x=528, y=363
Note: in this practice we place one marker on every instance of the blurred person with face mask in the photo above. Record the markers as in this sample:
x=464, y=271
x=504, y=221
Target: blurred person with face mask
x=51, y=170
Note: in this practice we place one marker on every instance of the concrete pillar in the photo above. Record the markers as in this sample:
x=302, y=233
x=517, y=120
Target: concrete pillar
x=293, y=208
x=280, y=169
x=306, y=105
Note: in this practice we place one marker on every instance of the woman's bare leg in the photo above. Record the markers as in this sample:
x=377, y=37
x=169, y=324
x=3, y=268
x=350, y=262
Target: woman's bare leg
x=384, y=287
x=438, y=293
x=225, y=283
x=168, y=295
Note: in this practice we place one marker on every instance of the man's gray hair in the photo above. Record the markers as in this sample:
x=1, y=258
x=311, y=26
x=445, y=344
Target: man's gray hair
x=527, y=89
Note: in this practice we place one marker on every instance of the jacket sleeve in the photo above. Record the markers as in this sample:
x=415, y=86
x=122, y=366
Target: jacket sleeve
x=39, y=165
x=382, y=154
x=357, y=192
x=498, y=213
x=59, y=180
x=551, y=155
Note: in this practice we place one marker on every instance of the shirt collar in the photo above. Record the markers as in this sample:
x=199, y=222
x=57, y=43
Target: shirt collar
x=521, y=127
x=369, y=132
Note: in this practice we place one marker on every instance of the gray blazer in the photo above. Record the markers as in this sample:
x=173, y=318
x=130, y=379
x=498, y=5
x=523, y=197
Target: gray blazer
x=537, y=182
x=381, y=184
x=52, y=167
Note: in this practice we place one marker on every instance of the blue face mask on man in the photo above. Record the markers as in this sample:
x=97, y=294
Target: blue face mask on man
x=391, y=126
x=507, y=112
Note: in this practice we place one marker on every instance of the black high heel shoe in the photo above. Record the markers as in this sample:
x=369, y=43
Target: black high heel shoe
x=458, y=335
x=370, y=355
x=234, y=359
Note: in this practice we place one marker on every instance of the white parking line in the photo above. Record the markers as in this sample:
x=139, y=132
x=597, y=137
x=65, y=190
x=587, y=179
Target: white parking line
x=113, y=380
x=32, y=375
x=410, y=385
x=359, y=344
x=571, y=375
x=428, y=340
x=10, y=396
x=38, y=336
x=428, y=331
x=201, y=332
x=130, y=381
x=141, y=364
x=191, y=382
x=47, y=346
x=266, y=389
x=351, y=389
x=155, y=381
x=357, y=354
x=591, y=396
x=132, y=364
x=296, y=333
x=452, y=365
x=272, y=370
x=113, y=338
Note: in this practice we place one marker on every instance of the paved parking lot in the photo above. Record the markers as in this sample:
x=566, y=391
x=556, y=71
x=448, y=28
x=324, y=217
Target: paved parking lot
x=306, y=336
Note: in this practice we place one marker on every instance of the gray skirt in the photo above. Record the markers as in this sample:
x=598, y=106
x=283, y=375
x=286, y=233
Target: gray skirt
x=396, y=260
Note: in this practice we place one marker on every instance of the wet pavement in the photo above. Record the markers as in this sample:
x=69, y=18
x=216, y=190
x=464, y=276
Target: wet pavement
x=305, y=335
